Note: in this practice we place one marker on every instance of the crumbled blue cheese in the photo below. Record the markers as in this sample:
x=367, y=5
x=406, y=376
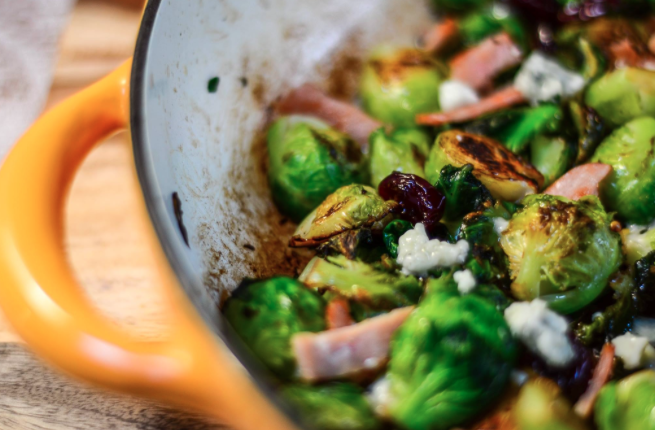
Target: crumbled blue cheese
x=465, y=281
x=644, y=327
x=380, y=397
x=636, y=239
x=500, y=225
x=635, y=351
x=542, y=79
x=543, y=331
x=456, y=94
x=417, y=254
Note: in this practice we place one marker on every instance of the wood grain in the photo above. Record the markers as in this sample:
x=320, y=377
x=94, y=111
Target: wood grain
x=107, y=249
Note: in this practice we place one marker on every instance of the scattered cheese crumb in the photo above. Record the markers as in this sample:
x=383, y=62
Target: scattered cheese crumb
x=379, y=397
x=500, y=225
x=465, y=281
x=635, y=239
x=456, y=94
x=543, y=331
x=418, y=254
x=635, y=351
x=645, y=327
x=542, y=78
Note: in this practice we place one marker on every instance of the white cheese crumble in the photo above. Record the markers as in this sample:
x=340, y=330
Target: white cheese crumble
x=465, y=281
x=542, y=78
x=418, y=254
x=635, y=351
x=645, y=327
x=636, y=240
x=543, y=331
x=456, y=94
x=500, y=225
x=379, y=397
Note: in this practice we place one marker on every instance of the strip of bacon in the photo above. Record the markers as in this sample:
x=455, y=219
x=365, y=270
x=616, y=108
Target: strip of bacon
x=479, y=65
x=440, y=35
x=502, y=99
x=651, y=44
x=337, y=314
x=309, y=100
x=626, y=54
x=581, y=181
x=348, y=350
x=602, y=374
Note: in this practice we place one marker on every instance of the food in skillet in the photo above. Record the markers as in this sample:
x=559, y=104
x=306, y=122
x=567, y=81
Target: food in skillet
x=483, y=228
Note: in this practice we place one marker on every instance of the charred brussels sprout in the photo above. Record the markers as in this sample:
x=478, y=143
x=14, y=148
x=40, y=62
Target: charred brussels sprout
x=627, y=404
x=560, y=250
x=505, y=175
x=552, y=156
x=398, y=84
x=266, y=314
x=404, y=150
x=464, y=192
x=349, y=208
x=360, y=282
x=623, y=95
x=541, y=406
x=450, y=359
x=308, y=161
x=391, y=234
x=339, y=406
x=630, y=188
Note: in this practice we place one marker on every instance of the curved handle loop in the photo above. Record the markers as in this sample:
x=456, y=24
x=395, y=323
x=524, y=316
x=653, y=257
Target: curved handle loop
x=42, y=299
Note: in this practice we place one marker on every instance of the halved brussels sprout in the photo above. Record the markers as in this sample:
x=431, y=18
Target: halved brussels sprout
x=450, y=359
x=348, y=208
x=541, y=406
x=398, y=84
x=266, y=314
x=630, y=188
x=505, y=175
x=623, y=95
x=560, y=250
x=552, y=156
x=308, y=161
x=627, y=404
x=403, y=150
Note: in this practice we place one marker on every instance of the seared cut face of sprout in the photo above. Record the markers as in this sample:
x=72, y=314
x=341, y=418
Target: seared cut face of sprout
x=478, y=223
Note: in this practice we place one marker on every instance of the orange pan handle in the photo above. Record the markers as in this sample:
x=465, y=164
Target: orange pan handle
x=43, y=301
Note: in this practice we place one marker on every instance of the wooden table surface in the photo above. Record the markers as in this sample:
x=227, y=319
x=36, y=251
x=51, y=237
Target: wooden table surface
x=106, y=248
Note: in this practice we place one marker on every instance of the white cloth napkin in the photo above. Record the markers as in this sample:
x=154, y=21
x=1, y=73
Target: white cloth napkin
x=29, y=34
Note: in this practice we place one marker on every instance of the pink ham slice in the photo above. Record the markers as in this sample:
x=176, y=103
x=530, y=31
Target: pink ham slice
x=440, y=36
x=499, y=100
x=347, y=350
x=479, y=65
x=581, y=181
x=309, y=100
x=602, y=375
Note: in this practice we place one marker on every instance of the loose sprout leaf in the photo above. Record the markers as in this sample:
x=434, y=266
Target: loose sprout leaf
x=391, y=234
x=266, y=314
x=463, y=191
x=339, y=406
x=449, y=361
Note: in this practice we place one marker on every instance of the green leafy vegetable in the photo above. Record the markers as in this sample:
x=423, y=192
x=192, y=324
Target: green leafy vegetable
x=266, y=314
x=339, y=406
x=464, y=192
x=308, y=161
x=212, y=84
x=561, y=251
x=627, y=404
x=449, y=361
x=528, y=124
x=391, y=234
x=479, y=25
x=404, y=150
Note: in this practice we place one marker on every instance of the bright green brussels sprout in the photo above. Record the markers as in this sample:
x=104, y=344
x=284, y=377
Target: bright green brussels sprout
x=349, y=208
x=479, y=25
x=630, y=188
x=627, y=404
x=266, y=314
x=505, y=175
x=398, y=84
x=357, y=281
x=449, y=361
x=339, y=406
x=560, y=250
x=458, y=5
x=623, y=95
x=404, y=150
x=463, y=191
x=552, y=156
x=391, y=235
x=308, y=161
x=541, y=406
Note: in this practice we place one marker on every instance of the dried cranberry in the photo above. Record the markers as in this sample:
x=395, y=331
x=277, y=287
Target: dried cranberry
x=573, y=379
x=419, y=201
